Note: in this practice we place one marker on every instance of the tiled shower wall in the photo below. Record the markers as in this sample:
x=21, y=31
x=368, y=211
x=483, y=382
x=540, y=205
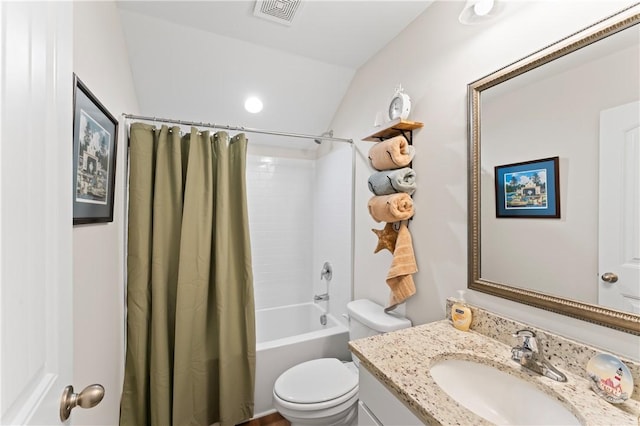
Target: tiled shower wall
x=299, y=217
x=280, y=201
x=332, y=226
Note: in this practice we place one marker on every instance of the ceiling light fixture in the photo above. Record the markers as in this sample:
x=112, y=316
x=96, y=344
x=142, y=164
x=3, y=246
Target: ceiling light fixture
x=253, y=105
x=478, y=11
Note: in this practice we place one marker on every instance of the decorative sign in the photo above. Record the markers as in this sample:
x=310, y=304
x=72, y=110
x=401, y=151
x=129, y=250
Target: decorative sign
x=610, y=378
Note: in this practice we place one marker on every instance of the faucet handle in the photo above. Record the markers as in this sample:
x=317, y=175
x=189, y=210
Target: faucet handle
x=327, y=271
x=524, y=333
x=528, y=339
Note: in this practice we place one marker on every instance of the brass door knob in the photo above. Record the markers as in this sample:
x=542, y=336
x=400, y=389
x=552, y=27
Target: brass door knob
x=87, y=398
x=609, y=277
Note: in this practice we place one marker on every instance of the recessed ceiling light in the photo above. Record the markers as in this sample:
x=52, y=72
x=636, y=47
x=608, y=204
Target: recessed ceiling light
x=478, y=11
x=253, y=105
x=483, y=7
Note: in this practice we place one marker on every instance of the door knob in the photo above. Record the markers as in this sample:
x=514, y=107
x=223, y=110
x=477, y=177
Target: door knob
x=609, y=277
x=87, y=398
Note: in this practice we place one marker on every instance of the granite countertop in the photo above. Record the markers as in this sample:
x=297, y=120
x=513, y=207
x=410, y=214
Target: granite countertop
x=401, y=361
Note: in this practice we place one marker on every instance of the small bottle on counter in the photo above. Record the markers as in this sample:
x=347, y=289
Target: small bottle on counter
x=461, y=313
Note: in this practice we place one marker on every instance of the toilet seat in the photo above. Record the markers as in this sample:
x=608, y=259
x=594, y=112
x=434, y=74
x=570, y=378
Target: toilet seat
x=316, y=384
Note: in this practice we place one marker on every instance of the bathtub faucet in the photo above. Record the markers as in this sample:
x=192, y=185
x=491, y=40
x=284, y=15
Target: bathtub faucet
x=321, y=297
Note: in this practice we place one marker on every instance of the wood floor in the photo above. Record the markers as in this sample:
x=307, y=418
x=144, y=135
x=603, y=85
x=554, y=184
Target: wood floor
x=274, y=419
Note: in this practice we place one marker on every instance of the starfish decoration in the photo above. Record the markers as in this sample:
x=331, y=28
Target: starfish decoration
x=386, y=238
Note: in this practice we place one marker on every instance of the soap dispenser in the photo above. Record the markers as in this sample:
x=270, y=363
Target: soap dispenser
x=461, y=313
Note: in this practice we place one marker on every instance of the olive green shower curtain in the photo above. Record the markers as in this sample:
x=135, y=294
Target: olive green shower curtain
x=190, y=356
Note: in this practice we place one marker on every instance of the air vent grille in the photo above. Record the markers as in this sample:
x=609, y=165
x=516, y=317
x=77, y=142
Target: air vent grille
x=281, y=11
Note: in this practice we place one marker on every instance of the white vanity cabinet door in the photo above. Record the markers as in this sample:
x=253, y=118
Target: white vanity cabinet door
x=366, y=417
x=381, y=407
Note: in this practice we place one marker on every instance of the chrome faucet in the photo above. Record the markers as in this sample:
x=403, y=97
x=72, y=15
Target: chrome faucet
x=528, y=356
x=326, y=273
x=321, y=297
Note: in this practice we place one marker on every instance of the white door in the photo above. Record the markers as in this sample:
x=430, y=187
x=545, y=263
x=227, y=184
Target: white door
x=619, y=223
x=35, y=210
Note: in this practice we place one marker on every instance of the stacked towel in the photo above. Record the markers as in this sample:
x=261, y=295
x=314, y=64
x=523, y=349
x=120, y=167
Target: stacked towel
x=393, y=153
x=391, y=208
x=403, y=265
x=392, y=186
x=391, y=181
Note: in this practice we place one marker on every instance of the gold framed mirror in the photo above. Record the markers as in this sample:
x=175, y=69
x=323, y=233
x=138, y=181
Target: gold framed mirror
x=557, y=102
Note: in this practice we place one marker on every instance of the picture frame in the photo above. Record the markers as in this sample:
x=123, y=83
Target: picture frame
x=95, y=138
x=528, y=189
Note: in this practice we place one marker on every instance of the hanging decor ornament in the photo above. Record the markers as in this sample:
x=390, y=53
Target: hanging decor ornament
x=386, y=238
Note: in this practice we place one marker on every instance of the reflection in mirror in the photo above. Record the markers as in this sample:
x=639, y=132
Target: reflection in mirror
x=577, y=100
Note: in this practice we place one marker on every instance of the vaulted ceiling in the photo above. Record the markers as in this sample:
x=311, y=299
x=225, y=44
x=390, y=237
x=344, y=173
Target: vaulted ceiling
x=200, y=60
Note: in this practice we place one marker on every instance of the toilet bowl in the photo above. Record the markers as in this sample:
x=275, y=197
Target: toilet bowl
x=324, y=392
x=319, y=392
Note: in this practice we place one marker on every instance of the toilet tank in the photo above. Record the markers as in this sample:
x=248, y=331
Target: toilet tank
x=367, y=318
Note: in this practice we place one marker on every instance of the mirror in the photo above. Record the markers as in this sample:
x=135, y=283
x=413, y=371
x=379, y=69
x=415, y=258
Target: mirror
x=556, y=234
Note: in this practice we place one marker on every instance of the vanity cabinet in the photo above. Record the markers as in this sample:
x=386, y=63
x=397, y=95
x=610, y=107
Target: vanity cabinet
x=378, y=406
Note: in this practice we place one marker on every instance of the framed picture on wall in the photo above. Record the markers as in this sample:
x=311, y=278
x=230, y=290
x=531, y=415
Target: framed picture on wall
x=95, y=135
x=528, y=190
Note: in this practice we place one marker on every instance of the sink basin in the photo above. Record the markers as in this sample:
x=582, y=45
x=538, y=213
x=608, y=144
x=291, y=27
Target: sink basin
x=499, y=397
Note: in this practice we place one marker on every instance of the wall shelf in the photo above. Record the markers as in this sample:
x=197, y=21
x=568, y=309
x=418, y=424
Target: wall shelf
x=394, y=128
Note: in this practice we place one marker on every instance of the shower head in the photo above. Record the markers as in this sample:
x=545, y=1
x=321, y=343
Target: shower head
x=328, y=133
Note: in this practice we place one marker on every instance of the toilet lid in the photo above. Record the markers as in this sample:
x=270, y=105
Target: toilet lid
x=315, y=381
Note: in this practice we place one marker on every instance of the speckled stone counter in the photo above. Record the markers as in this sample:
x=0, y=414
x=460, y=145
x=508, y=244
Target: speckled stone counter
x=401, y=360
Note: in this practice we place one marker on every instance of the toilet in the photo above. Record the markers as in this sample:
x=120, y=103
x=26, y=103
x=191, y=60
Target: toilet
x=324, y=391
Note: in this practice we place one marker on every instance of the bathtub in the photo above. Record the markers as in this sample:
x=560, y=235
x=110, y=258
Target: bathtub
x=289, y=335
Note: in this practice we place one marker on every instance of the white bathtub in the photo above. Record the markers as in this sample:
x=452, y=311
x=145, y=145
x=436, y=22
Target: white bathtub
x=289, y=335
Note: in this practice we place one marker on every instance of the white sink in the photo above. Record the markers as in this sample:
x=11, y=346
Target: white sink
x=499, y=397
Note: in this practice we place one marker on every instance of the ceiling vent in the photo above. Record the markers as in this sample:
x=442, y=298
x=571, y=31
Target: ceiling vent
x=280, y=11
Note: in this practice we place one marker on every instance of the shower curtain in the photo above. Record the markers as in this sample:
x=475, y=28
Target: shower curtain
x=190, y=357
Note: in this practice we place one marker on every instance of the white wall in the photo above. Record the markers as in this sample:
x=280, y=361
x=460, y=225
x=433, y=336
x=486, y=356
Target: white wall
x=280, y=201
x=332, y=224
x=299, y=216
x=101, y=62
x=435, y=58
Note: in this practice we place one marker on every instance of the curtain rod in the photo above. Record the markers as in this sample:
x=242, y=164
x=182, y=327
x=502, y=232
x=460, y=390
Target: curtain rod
x=235, y=128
